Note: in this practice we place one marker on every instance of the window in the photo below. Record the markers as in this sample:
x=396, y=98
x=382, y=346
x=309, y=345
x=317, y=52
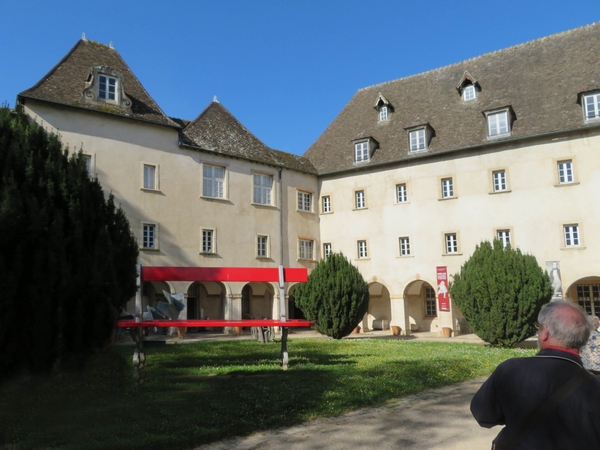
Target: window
x=263, y=185
x=469, y=93
x=304, y=201
x=430, y=302
x=149, y=236
x=362, y=249
x=107, y=87
x=359, y=199
x=451, y=243
x=401, y=193
x=565, y=172
x=361, y=151
x=404, y=246
x=447, y=188
x=89, y=165
x=305, y=249
x=383, y=113
x=326, y=204
x=571, y=235
x=213, y=181
x=150, y=176
x=327, y=250
x=591, y=105
x=262, y=246
x=499, y=180
x=588, y=297
x=498, y=124
x=417, y=140
x=208, y=240
x=504, y=236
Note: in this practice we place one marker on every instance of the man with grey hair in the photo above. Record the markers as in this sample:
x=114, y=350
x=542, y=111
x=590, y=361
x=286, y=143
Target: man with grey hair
x=548, y=401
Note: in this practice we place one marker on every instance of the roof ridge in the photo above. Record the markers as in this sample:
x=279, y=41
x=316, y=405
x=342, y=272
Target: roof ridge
x=552, y=36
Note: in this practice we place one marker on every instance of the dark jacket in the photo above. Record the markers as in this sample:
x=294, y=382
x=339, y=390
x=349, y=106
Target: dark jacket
x=518, y=386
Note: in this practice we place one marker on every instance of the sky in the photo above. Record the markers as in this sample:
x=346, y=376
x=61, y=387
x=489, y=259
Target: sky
x=284, y=69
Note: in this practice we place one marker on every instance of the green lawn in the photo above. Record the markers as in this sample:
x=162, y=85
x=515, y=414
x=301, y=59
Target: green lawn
x=198, y=393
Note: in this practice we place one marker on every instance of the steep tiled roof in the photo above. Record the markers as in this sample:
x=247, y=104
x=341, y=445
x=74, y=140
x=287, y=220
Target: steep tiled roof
x=540, y=80
x=218, y=131
x=66, y=82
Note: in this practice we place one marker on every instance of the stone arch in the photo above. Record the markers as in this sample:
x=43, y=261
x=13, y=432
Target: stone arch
x=206, y=299
x=379, y=314
x=586, y=292
x=421, y=306
x=257, y=301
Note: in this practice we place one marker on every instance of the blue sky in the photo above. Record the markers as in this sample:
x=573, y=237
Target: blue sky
x=284, y=68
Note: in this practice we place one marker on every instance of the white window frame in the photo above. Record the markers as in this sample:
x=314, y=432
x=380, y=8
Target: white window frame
x=108, y=94
x=360, y=199
x=505, y=236
x=213, y=182
x=305, y=201
x=383, y=113
x=591, y=107
x=149, y=236
x=150, y=182
x=499, y=180
x=451, y=243
x=262, y=246
x=327, y=250
x=361, y=152
x=469, y=93
x=362, y=249
x=326, y=204
x=566, y=174
x=404, y=245
x=90, y=164
x=401, y=193
x=417, y=140
x=498, y=124
x=208, y=241
x=572, y=236
x=447, y=187
x=306, y=249
x=262, y=192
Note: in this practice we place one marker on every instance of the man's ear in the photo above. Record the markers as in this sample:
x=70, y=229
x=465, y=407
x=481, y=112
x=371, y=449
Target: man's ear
x=543, y=334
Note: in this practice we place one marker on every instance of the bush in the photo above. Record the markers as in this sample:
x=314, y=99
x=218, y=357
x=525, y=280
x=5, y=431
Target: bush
x=336, y=297
x=500, y=292
x=67, y=254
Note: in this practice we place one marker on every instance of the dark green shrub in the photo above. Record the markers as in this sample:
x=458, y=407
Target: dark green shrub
x=500, y=292
x=336, y=297
x=67, y=254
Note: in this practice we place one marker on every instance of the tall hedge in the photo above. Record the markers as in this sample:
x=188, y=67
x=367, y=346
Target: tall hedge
x=67, y=254
x=500, y=292
x=336, y=297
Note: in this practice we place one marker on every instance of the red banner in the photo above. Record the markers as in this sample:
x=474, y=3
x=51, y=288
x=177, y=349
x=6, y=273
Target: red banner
x=249, y=274
x=442, y=289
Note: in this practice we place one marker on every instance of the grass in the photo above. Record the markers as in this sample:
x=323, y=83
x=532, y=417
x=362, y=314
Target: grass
x=199, y=393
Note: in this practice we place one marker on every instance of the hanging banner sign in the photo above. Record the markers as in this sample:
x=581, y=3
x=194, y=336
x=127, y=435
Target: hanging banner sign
x=442, y=289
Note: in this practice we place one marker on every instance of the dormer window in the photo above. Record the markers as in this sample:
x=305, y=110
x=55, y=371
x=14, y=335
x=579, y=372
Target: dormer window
x=361, y=151
x=469, y=93
x=419, y=138
x=107, y=87
x=383, y=113
x=383, y=107
x=468, y=87
x=499, y=123
x=591, y=106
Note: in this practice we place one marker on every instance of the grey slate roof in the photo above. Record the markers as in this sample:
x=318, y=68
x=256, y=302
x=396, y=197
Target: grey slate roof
x=540, y=80
x=66, y=81
x=218, y=131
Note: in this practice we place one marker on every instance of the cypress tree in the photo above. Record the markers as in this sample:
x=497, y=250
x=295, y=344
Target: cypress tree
x=500, y=292
x=67, y=254
x=336, y=297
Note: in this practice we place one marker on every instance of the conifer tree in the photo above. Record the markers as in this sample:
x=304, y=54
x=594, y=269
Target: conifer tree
x=336, y=297
x=500, y=292
x=67, y=254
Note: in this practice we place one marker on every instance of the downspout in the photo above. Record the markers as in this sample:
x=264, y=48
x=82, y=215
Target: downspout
x=282, y=305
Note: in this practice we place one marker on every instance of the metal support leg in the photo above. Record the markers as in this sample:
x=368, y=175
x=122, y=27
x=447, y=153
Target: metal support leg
x=139, y=355
x=284, y=351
